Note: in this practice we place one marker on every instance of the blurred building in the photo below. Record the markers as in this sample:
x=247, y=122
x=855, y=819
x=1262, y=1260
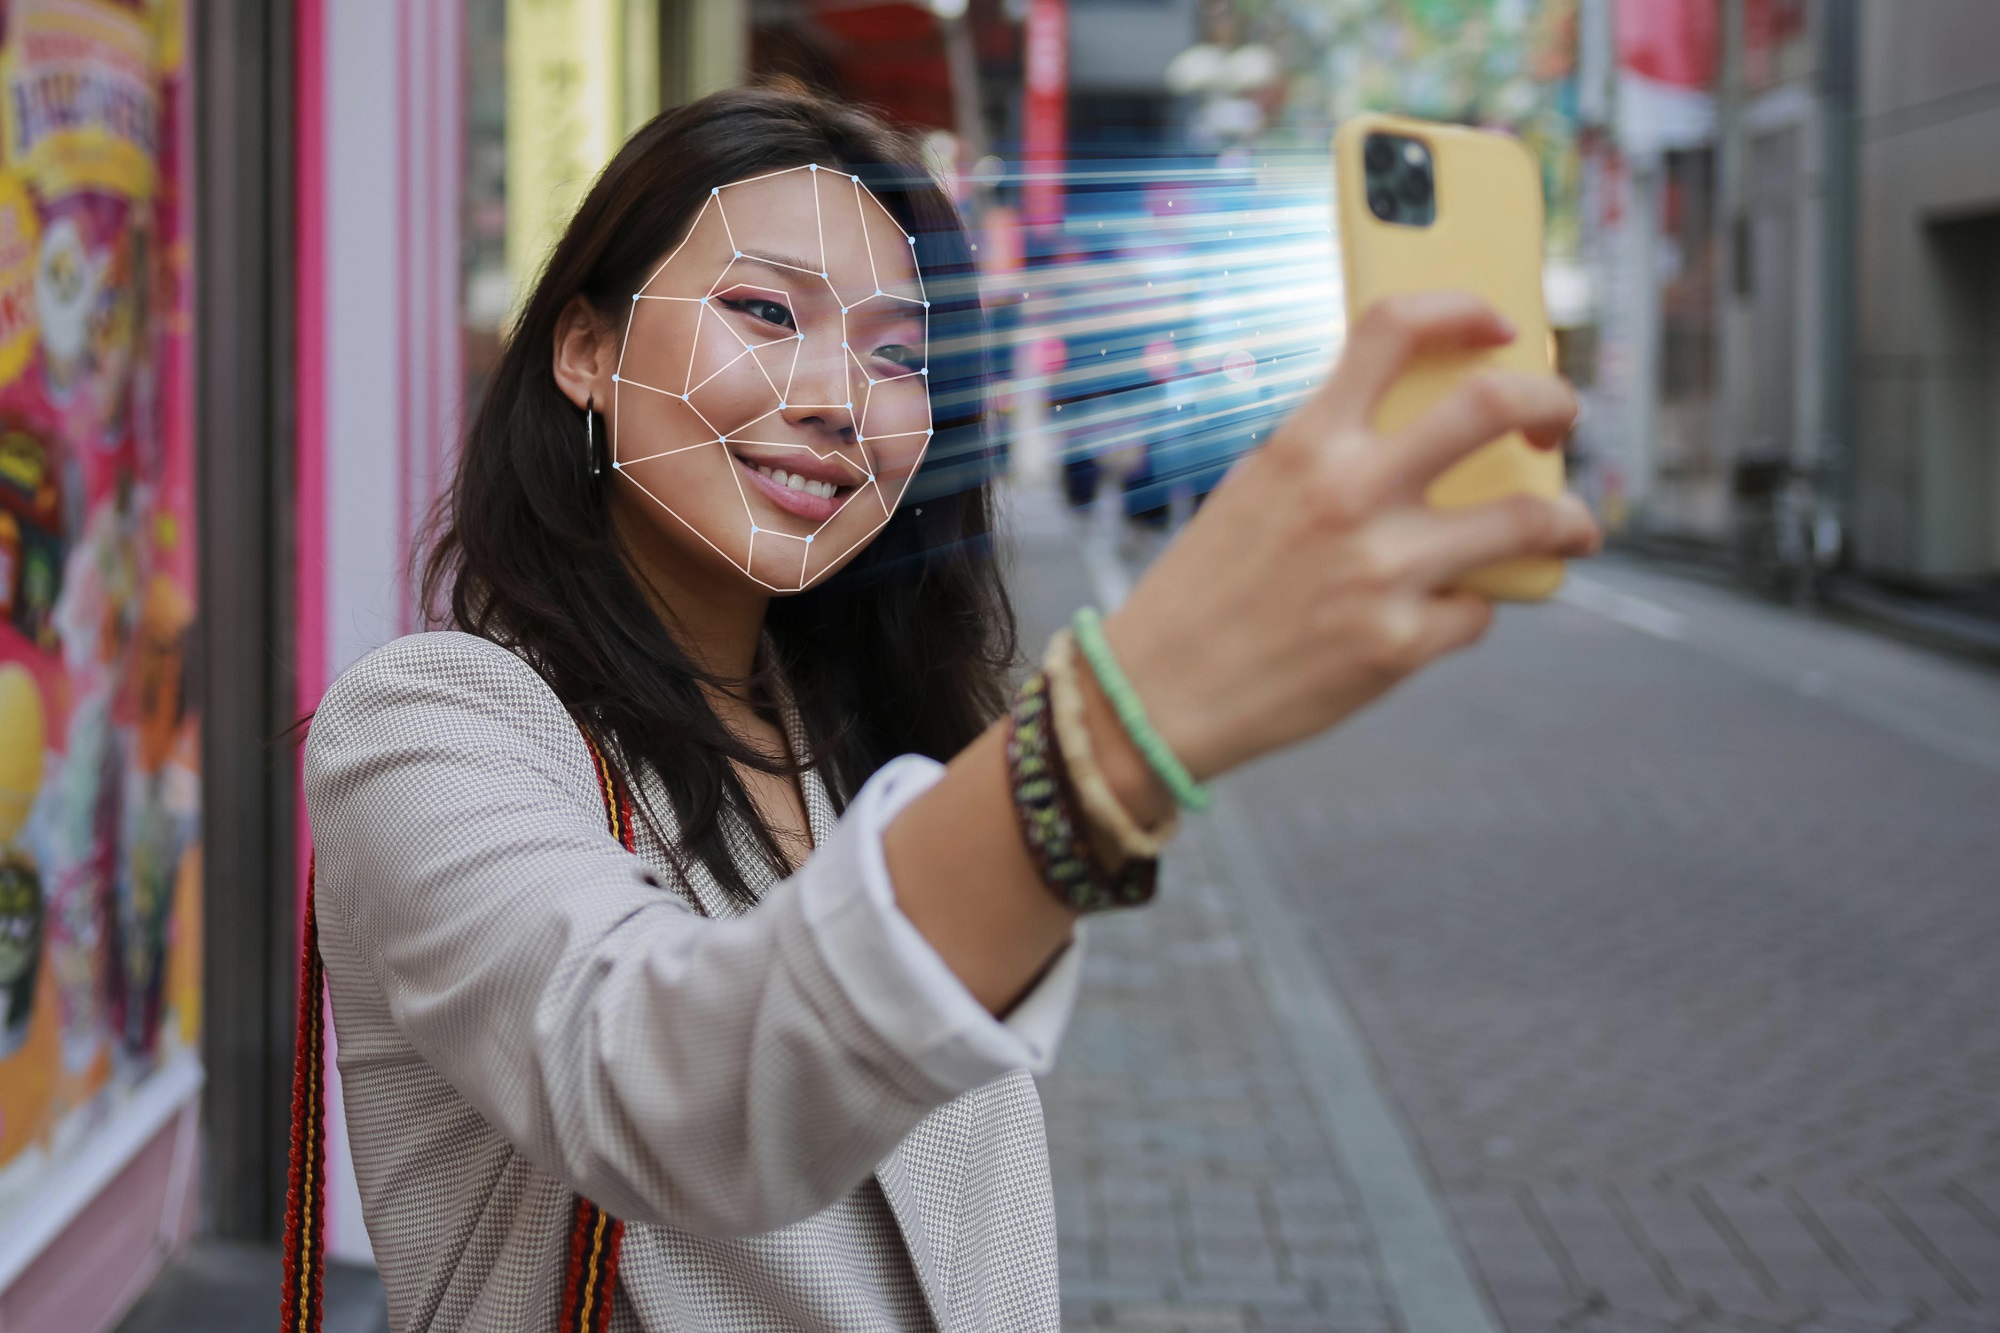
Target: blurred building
x=1791, y=212
x=1925, y=489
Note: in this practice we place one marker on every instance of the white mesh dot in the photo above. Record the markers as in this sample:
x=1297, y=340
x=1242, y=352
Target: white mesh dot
x=784, y=403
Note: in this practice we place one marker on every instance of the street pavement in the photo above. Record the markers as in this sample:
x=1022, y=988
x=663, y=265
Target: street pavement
x=1669, y=921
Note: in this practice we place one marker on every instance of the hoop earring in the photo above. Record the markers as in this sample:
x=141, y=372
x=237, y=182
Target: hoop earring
x=590, y=436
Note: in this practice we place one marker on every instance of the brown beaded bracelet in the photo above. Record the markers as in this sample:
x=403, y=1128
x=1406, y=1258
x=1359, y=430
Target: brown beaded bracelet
x=1047, y=807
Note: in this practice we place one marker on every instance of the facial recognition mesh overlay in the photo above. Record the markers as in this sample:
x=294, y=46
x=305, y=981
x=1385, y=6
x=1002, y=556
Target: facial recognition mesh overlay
x=772, y=391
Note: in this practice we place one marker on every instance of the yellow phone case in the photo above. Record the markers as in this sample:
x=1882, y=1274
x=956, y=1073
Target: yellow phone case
x=1486, y=238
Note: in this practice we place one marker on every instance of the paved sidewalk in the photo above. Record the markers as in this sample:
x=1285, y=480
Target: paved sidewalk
x=1197, y=1184
x=1672, y=919
x=1195, y=1187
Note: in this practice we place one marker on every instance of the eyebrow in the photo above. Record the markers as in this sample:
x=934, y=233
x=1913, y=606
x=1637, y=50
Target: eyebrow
x=772, y=260
x=776, y=259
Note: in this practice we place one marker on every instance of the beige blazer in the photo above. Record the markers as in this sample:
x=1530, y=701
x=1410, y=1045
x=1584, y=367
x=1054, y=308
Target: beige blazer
x=802, y=1117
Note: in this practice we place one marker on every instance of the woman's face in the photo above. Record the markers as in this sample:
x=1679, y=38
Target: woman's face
x=771, y=400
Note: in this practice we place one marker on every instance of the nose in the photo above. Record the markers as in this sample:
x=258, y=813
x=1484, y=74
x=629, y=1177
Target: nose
x=819, y=393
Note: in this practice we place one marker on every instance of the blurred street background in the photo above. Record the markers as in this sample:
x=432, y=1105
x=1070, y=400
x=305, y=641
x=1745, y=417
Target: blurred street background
x=1634, y=972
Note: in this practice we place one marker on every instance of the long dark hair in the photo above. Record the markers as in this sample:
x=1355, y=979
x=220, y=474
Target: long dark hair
x=904, y=650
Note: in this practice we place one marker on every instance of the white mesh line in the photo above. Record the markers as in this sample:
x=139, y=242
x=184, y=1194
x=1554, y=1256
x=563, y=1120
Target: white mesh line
x=669, y=453
x=795, y=338
x=872, y=483
x=772, y=292
x=819, y=220
x=855, y=359
x=650, y=388
x=694, y=347
x=791, y=373
x=693, y=389
x=695, y=530
x=768, y=262
x=822, y=456
x=715, y=198
x=722, y=213
x=852, y=363
x=861, y=218
x=752, y=180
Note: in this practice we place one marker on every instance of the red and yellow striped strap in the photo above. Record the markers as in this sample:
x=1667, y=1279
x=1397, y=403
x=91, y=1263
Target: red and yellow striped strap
x=617, y=803
x=595, y=1236
x=305, y=1191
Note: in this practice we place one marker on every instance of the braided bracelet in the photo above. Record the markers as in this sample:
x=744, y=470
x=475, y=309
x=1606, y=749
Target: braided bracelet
x=1100, y=804
x=1046, y=807
x=1125, y=701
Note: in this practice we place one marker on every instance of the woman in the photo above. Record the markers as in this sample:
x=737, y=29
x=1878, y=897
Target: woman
x=786, y=1039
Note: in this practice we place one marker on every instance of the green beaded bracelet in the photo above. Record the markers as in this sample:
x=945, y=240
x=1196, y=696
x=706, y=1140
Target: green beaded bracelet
x=1160, y=756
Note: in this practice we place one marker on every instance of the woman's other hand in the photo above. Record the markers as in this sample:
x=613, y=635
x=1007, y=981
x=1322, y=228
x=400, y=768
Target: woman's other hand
x=1315, y=578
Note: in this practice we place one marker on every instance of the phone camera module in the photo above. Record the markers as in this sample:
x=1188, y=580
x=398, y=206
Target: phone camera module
x=1400, y=180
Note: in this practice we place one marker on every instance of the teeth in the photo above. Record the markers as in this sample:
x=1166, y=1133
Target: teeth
x=825, y=490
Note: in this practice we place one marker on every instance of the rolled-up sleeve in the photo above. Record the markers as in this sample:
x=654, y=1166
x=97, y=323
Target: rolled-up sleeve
x=891, y=972
x=725, y=1077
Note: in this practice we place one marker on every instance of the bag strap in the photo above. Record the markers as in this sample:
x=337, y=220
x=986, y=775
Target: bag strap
x=591, y=1272
x=305, y=1191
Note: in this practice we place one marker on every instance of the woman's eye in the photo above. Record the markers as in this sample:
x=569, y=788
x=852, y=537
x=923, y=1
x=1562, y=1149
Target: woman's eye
x=768, y=311
x=901, y=354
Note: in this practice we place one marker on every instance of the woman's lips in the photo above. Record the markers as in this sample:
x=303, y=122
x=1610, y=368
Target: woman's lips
x=806, y=505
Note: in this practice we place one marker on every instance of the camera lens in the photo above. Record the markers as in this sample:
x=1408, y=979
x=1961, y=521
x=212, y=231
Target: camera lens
x=1415, y=187
x=1382, y=204
x=1379, y=156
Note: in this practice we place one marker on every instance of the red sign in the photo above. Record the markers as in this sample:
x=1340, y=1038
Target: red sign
x=1045, y=129
x=1675, y=42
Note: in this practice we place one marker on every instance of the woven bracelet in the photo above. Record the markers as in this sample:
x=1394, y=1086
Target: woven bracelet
x=1046, y=807
x=1101, y=806
x=1125, y=701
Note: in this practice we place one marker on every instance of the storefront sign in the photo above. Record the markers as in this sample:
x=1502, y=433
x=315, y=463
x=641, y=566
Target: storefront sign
x=565, y=118
x=82, y=100
x=1047, y=112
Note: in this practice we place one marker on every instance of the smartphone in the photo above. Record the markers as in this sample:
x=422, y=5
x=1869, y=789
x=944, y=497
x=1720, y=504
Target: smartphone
x=1430, y=207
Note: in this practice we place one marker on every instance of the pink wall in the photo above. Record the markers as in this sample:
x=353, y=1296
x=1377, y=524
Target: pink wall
x=380, y=123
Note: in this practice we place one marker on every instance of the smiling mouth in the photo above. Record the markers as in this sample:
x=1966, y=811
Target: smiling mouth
x=806, y=497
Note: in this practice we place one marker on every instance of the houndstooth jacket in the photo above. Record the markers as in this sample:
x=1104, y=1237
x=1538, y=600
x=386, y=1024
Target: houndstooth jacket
x=805, y=1121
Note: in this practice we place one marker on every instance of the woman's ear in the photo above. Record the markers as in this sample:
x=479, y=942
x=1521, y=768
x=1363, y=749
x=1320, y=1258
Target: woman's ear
x=586, y=354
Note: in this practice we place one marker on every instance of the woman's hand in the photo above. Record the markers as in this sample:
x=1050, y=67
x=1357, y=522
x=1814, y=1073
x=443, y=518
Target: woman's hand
x=1315, y=577
x=1313, y=580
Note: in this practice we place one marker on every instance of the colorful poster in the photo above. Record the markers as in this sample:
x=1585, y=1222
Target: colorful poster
x=99, y=789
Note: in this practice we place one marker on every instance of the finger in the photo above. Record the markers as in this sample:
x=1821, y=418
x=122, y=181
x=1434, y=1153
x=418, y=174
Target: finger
x=1439, y=545
x=1390, y=332
x=1454, y=620
x=1481, y=409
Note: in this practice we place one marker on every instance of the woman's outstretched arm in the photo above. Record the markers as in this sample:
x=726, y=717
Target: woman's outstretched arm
x=1311, y=582
x=731, y=1076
